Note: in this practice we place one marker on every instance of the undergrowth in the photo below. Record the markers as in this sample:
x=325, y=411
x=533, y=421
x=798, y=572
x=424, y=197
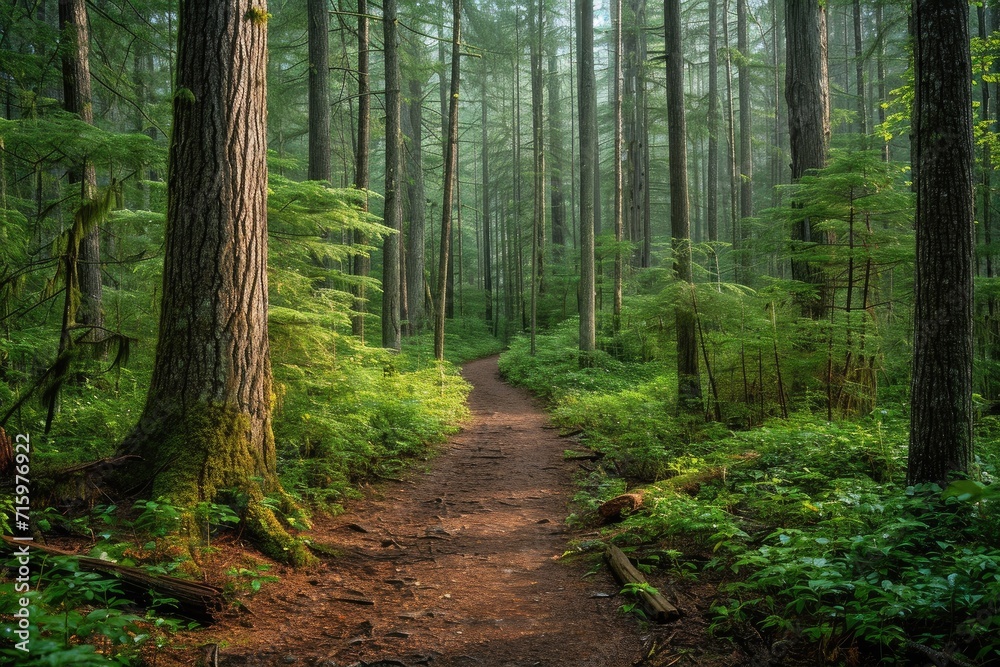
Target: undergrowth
x=827, y=554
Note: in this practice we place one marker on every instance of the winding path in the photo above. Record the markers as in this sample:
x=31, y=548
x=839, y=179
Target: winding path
x=454, y=566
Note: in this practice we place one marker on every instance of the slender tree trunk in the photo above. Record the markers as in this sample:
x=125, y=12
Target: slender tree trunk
x=617, y=159
x=393, y=191
x=807, y=91
x=556, y=160
x=941, y=390
x=77, y=99
x=588, y=152
x=487, y=249
x=319, y=90
x=450, y=170
x=712, y=193
x=415, y=260
x=362, y=264
x=734, y=224
x=688, y=383
x=859, y=61
x=538, y=143
x=746, y=156
x=880, y=74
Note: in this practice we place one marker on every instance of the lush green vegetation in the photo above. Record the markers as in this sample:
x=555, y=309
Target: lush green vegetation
x=807, y=523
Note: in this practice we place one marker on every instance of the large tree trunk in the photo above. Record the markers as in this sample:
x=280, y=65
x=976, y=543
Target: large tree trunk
x=859, y=66
x=688, y=384
x=362, y=263
x=450, y=171
x=588, y=151
x=415, y=262
x=941, y=390
x=78, y=99
x=807, y=91
x=393, y=214
x=319, y=90
x=206, y=426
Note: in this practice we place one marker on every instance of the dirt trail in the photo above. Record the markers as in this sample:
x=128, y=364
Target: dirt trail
x=457, y=567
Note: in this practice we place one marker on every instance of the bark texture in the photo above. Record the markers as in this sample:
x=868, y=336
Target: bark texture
x=207, y=421
x=688, y=385
x=807, y=91
x=415, y=196
x=941, y=389
x=588, y=151
x=319, y=90
x=393, y=212
x=78, y=99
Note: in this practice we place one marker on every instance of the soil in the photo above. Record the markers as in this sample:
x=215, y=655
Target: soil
x=460, y=564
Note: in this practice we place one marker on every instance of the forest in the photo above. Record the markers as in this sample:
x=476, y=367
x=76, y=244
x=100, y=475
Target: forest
x=286, y=287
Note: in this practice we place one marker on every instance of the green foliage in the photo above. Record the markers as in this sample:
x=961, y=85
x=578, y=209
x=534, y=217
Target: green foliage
x=76, y=618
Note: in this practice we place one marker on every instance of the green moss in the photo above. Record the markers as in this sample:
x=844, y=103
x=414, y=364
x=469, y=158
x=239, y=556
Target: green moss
x=258, y=16
x=193, y=458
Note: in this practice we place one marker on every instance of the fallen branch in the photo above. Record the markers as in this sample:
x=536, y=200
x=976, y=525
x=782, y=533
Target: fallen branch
x=657, y=606
x=195, y=600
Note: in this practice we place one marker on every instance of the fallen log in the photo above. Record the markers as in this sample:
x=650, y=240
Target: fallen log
x=657, y=606
x=612, y=509
x=195, y=600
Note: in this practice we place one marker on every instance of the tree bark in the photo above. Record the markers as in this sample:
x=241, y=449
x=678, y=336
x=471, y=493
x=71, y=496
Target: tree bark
x=588, y=152
x=618, y=212
x=712, y=193
x=450, y=169
x=557, y=197
x=362, y=264
x=393, y=216
x=688, y=384
x=487, y=239
x=746, y=155
x=538, y=145
x=415, y=195
x=859, y=63
x=318, y=17
x=941, y=388
x=807, y=91
x=206, y=425
x=78, y=99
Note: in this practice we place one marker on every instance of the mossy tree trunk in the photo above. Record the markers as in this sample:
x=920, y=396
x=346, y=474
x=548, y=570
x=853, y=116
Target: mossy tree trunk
x=78, y=99
x=206, y=426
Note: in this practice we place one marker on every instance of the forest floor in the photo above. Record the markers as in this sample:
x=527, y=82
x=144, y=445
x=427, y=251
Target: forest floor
x=460, y=564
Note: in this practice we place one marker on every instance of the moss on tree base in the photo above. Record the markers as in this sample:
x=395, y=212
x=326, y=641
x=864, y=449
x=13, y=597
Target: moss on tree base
x=192, y=456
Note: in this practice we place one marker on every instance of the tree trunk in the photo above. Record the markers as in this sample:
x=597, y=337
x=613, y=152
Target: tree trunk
x=538, y=144
x=393, y=217
x=807, y=91
x=487, y=239
x=450, y=170
x=588, y=151
x=712, y=193
x=859, y=62
x=319, y=90
x=746, y=155
x=880, y=74
x=941, y=389
x=77, y=99
x=362, y=263
x=688, y=384
x=618, y=213
x=206, y=426
x=415, y=261
x=556, y=195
